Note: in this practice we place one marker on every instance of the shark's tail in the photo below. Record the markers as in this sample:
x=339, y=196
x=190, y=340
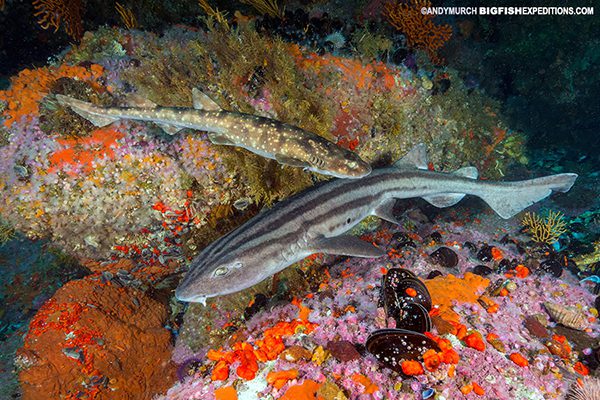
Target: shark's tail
x=514, y=197
x=87, y=110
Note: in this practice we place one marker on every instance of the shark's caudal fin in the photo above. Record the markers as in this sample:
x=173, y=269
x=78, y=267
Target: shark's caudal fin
x=521, y=195
x=84, y=108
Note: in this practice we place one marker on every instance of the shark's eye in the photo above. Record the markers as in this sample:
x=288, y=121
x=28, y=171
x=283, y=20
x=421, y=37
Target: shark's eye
x=221, y=271
x=353, y=164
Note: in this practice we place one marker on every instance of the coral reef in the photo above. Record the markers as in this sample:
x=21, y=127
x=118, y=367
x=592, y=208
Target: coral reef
x=53, y=13
x=96, y=341
x=545, y=230
x=418, y=26
x=478, y=323
x=58, y=169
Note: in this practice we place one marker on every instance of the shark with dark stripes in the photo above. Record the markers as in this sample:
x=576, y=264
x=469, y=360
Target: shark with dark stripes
x=316, y=220
x=287, y=144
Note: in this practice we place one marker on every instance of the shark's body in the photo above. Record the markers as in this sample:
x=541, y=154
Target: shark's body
x=314, y=221
x=287, y=144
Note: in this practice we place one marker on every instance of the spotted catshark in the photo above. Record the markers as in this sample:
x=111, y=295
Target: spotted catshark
x=315, y=221
x=287, y=144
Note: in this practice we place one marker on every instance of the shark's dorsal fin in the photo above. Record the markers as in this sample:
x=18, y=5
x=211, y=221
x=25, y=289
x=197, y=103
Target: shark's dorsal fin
x=415, y=158
x=467, y=172
x=203, y=102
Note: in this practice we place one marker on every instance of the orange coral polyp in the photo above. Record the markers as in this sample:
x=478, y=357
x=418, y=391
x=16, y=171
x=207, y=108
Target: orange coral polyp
x=412, y=368
x=475, y=341
x=420, y=30
x=280, y=378
x=30, y=86
x=519, y=360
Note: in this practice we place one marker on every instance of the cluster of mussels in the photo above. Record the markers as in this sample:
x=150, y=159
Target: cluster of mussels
x=407, y=301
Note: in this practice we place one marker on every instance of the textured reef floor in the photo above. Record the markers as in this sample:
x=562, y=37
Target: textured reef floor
x=507, y=345
x=97, y=225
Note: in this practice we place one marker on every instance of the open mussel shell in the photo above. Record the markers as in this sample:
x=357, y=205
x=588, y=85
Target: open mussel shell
x=392, y=346
x=389, y=282
x=415, y=318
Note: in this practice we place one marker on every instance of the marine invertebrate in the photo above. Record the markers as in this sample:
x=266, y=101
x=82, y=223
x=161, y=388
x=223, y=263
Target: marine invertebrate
x=545, y=230
x=568, y=316
x=51, y=13
x=219, y=16
x=91, y=338
x=418, y=27
x=266, y=7
x=127, y=16
x=586, y=388
x=7, y=232
x=32, y=85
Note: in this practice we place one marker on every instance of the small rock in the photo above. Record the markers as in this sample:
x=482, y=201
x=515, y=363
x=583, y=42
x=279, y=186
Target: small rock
x=441, y=325
x=343, y=350
x=295, y=353
x=319, y=355
x=330, y=391
x=535, y=327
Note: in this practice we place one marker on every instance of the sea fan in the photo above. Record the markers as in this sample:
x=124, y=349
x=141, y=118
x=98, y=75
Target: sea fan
x=586, y=389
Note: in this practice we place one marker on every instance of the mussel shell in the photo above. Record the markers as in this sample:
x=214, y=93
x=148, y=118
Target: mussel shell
x=392, y=346
x=394, y=297
x=485, y=253
x=388, y=283
x=472, y=247
x=434, y=274
x=482, y=270
x=414, y=318
x=552, y=267
x=445, y=256
x=423, y=297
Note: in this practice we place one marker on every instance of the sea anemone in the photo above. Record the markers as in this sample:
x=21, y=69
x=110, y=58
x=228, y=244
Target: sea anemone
x=586, y=389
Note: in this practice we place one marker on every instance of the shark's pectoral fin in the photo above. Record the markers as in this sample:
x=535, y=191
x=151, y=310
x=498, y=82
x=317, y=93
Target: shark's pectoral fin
x=444, y=200
x=215, y=138
x=386, y=212
x=202, y=102
x=292, y=162
x=170, y=129
x=348, y=246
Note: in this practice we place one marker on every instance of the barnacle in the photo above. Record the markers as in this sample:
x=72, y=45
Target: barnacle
x=544, y=230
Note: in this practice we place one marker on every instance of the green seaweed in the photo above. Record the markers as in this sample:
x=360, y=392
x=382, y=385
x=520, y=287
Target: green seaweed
x=370, y=46
x=7, y=232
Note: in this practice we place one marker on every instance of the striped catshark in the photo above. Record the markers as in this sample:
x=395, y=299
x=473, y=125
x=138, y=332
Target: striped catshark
x=287, y=144
x=315, y=220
